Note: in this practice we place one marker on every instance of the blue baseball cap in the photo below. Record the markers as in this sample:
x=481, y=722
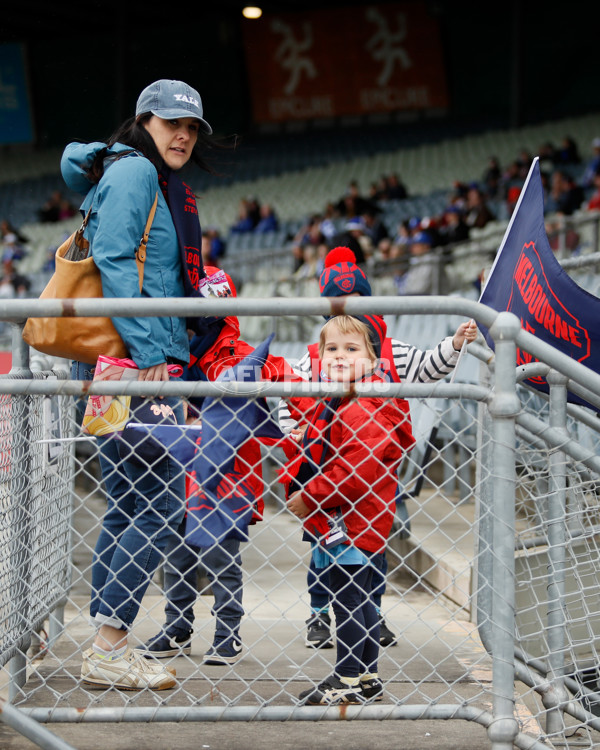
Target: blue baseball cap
x=170, y=100
x=355, y=223
x=421, y=238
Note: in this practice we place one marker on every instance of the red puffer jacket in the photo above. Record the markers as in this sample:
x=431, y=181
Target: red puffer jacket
x=366, y=440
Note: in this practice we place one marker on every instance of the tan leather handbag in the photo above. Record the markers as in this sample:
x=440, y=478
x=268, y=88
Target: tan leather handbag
x=76, y=276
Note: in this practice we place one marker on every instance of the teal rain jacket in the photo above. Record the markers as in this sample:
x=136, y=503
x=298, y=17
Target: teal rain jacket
x=120, y=205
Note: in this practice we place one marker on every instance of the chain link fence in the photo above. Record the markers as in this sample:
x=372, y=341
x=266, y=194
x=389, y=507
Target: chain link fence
x=491, y=593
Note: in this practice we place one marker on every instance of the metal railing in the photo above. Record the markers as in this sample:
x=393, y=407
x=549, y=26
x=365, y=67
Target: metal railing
x=473, y=580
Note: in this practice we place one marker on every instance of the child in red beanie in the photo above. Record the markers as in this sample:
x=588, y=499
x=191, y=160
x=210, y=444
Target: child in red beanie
x=404, y=362
x=349, y=513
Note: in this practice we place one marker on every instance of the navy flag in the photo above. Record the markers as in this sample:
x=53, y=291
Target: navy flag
x=527, y=280
x=224, y=487
x=226, y=496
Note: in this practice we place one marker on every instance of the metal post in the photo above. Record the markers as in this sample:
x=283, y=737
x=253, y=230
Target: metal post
x=56, y=622
x=504, y=409
x=556, y=531
x=18, y=673
x=482, y=591
x=20, y=489
x=30, y=728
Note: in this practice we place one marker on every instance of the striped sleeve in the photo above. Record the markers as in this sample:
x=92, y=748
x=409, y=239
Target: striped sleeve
x=412, y=365
x=416, y=366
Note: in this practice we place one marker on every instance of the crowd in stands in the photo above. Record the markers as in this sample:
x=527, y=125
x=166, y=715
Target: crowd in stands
x=359, y=220
x=213, y=246
x=255, y=217
x=13, y=242
x=13, y=247
x=13, y=284
x=56, y=208
x=570, y=184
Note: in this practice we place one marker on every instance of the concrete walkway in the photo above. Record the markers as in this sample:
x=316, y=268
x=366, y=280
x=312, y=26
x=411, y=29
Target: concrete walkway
x=439, y=659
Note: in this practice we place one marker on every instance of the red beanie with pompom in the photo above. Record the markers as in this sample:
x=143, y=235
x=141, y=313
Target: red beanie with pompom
x=341, y=275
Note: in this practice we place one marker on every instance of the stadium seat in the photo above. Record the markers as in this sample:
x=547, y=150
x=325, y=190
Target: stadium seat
x=300, y=176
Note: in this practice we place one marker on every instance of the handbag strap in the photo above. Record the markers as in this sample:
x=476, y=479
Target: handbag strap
x=140, y=253
x=78, y=238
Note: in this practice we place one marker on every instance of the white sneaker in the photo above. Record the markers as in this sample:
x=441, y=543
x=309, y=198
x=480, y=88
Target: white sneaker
x=127, y=672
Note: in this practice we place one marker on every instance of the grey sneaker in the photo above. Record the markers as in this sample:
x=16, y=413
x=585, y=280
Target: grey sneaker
x=128, y=672
x=318, y=634
x=386, y=636
x=165, y=645
x=224, y=651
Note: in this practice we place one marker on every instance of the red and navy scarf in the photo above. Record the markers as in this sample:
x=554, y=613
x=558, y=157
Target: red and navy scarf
x=184, y=212
x=316, y=441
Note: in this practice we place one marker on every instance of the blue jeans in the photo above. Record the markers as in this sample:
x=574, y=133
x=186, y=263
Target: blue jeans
x=320, y=590
x=223, y=566
x=145, y=496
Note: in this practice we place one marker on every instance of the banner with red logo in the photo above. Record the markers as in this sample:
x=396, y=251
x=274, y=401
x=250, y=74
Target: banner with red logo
x=332, y=62
x=527, y=280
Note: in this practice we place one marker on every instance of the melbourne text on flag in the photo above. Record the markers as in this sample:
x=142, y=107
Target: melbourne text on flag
x=527, y=280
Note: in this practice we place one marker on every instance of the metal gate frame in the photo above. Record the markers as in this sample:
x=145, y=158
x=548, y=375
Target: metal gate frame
x=496, y=569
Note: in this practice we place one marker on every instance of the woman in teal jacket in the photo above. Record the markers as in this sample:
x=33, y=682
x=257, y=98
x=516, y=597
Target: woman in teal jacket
x=145, y=489
x=120, y=205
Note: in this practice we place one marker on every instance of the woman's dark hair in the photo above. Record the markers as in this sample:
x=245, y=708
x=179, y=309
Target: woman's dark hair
x=133, y=133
